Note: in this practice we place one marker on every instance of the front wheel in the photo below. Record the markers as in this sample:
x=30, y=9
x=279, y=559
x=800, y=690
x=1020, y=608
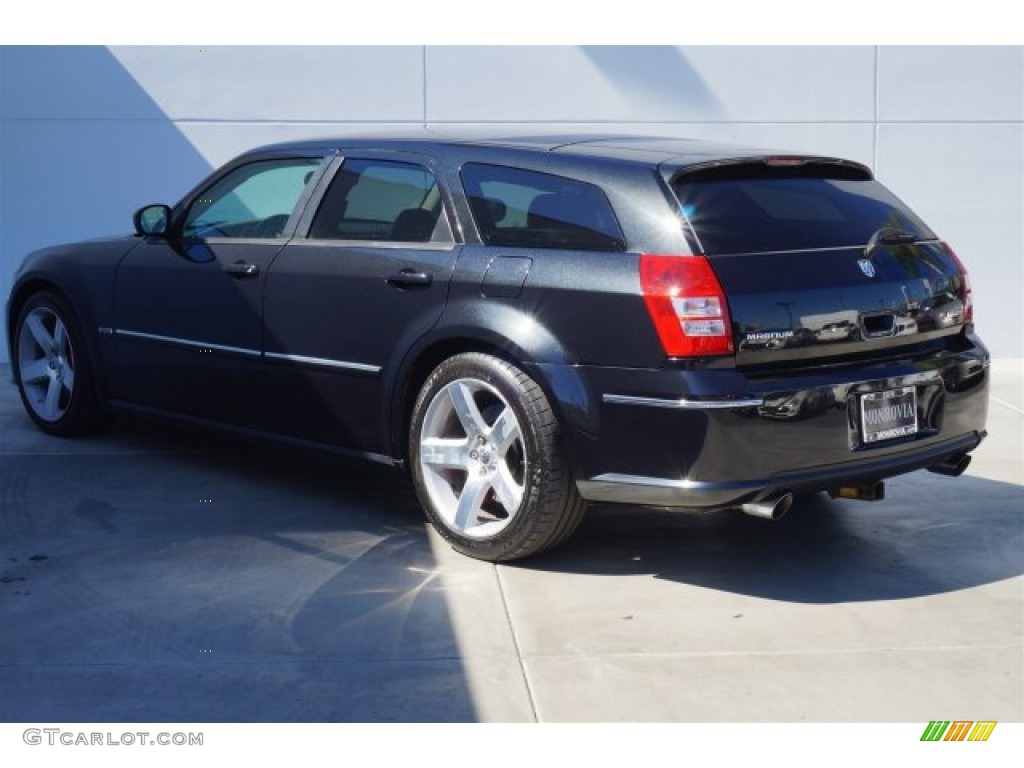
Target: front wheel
x=487, y=460
x=53, y=370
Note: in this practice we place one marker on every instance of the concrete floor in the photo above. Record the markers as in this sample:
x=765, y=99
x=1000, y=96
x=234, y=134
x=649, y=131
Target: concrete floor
x=156, y=574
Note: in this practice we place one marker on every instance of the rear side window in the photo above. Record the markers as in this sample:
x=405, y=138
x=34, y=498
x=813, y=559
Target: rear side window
x=519, y=208
x=382, y=200
x=778, y=209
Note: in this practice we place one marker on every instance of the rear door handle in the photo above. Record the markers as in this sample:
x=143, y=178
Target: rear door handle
x=242, y=269
x=410, y=278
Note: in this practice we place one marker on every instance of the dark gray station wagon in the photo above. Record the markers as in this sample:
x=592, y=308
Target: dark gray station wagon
x=529, y=325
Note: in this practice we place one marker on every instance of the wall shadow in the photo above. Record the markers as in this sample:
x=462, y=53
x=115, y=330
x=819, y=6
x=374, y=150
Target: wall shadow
x=81, y=147
x=300, y=592
x=220, y=581
x=657, y=74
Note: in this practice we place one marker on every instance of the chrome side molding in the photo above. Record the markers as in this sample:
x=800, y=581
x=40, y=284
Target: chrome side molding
x=205, y=346
x=323, y=362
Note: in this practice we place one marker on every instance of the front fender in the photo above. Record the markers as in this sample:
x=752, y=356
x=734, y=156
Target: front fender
x=84, y=274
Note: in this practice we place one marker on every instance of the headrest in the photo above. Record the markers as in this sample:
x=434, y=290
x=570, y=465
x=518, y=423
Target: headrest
x=488, y=211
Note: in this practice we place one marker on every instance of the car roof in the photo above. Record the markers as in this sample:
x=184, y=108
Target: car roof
x=672, y=152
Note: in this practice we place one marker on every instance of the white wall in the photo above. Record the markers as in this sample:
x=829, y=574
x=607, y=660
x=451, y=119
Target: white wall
x=89, y=134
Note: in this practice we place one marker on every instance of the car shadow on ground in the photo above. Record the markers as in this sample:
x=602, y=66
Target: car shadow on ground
x=160, y=574
x=932, y=535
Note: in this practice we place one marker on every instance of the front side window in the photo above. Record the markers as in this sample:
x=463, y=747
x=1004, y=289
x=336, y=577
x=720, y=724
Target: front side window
x=516, y=207
x=382, y=201
x=252, y=201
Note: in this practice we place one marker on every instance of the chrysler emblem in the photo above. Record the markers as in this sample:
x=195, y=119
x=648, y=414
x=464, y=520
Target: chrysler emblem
x=866, y=267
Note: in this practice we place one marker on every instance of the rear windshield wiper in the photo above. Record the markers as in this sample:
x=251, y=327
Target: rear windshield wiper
x=888, y=236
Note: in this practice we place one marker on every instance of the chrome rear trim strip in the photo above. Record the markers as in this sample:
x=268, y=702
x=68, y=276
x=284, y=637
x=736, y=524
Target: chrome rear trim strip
x=652, y=482
x=686, y=403
x=324, y=362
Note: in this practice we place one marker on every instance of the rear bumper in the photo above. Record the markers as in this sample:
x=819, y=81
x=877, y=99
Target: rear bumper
x=710, y=438
x=614, y=488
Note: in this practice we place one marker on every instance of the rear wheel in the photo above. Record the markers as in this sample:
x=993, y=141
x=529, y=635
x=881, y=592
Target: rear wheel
x=487, y=460
x=52, y=369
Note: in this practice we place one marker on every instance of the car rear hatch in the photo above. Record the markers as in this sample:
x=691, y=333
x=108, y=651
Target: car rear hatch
x=818, y=260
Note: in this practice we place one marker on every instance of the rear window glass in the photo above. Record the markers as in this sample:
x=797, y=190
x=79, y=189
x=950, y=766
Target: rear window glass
x=515, y=207
x=782, y=211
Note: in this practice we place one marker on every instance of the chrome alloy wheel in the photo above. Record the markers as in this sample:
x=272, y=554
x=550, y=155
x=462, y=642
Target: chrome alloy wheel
x=473, y=458
x=46, y=364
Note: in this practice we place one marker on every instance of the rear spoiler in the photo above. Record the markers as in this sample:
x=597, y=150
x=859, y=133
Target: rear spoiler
x=769, y=166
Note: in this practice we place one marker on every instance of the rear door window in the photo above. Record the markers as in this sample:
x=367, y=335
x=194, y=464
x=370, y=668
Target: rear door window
x=520, y=208
x=755, y=208
x=382, y=201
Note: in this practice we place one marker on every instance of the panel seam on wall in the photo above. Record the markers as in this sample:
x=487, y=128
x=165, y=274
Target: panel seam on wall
x=874, y=133
x=424, y=66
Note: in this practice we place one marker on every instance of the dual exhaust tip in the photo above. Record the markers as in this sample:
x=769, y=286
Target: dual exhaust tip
x=772, y=508
x=953, y=466
x=775, y=507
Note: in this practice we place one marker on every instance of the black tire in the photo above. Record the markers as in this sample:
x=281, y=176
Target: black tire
x=550, y=508
x=76, y=408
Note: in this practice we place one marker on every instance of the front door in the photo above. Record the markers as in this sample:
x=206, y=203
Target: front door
x=188, y=306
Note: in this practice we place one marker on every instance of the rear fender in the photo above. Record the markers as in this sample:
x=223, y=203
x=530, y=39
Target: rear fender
x=482, y=326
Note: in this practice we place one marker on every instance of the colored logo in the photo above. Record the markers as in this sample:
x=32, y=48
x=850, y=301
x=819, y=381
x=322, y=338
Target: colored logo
x=959, y=730
x=866, y=267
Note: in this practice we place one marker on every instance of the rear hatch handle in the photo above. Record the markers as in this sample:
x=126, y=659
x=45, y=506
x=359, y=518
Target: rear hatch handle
x=888, y=236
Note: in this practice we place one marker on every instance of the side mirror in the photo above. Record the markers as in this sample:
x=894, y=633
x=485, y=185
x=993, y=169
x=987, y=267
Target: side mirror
x=151, y=220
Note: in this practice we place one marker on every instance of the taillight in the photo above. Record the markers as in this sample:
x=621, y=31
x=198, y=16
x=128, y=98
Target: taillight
x=967, y=299
x=687, y=305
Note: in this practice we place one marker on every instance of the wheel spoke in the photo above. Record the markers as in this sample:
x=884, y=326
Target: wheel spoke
x=51, y=406
x=444, y=452
x=60, y=338
x=509, y=493
x=39, y=333
x=466, y=410
x=69, y=379
x=505, y=431
x=36, y=371
x=472, y=496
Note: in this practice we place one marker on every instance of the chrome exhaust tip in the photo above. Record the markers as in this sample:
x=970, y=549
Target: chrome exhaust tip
x=772, y=508
x=954, y=466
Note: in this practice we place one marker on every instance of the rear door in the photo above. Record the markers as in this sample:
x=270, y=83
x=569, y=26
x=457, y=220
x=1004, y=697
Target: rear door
x=819, y=260
x=343, y=303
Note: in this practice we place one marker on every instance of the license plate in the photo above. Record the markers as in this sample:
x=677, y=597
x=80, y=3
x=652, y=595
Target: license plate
x=888, y=414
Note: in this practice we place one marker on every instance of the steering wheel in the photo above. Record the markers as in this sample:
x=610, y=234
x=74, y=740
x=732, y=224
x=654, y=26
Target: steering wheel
x=206, y=229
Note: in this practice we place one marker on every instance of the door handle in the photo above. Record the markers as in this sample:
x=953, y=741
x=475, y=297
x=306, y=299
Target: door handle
x=410, y=278
x=242, y=269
